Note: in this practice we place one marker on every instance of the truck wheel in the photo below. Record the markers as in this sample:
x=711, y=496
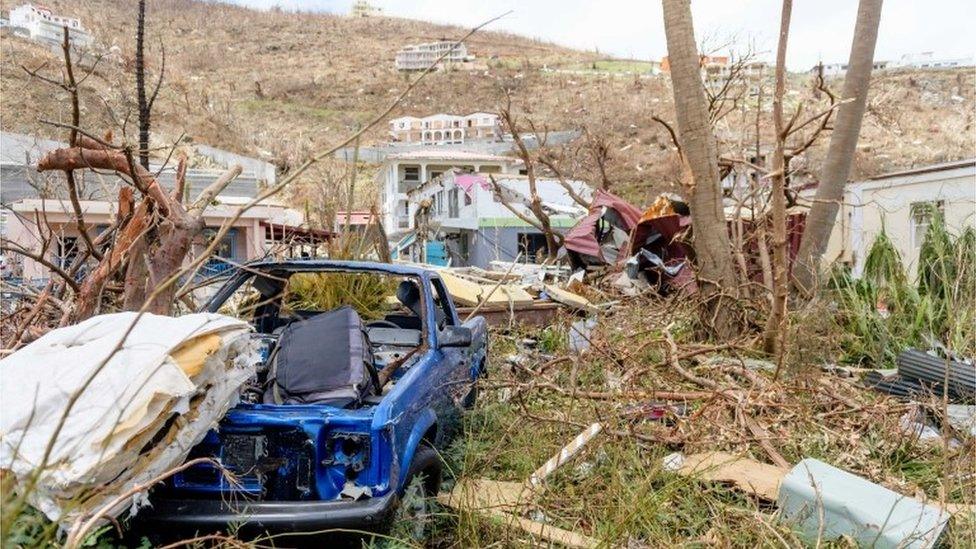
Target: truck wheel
x=423, y=482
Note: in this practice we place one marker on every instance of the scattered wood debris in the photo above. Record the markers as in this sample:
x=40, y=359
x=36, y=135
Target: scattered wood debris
x=506, y=500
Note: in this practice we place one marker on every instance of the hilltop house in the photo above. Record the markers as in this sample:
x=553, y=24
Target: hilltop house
x=470, y=217
x=362, y=8
x=403, y=172
x=714, y=68
x=418, y=57
x=915, y=61
x=446, y=129
x=27, y=195
x=38, y=23
x=900, y=203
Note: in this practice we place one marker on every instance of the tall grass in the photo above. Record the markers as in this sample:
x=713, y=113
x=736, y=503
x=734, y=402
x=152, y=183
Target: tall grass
x=367, y=293
x=883, y=312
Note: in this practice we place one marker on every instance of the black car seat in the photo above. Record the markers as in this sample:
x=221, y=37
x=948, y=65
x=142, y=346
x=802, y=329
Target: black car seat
x=326, y=359
x=409, y=295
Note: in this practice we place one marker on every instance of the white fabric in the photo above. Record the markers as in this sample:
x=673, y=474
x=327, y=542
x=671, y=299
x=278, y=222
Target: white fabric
x=125, y=400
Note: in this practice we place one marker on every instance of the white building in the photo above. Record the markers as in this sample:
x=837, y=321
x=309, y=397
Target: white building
x=471, y=216
x=362, y=8
x=41, y=25
x=420, y=56
x=446, y=129
x=927, y=60
x=404, y=172
x=916, y=61
x=901, y=203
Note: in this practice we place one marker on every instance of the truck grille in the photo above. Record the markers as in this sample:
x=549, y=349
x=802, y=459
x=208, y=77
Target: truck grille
x=271, y=465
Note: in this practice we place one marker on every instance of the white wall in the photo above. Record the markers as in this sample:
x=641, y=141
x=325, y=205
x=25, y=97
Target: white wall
x=887, y=204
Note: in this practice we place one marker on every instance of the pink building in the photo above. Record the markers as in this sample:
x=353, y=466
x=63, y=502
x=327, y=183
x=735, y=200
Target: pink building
x=269, y=229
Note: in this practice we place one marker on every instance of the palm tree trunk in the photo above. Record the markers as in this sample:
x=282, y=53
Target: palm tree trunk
x=713, y=252
x=840, y=154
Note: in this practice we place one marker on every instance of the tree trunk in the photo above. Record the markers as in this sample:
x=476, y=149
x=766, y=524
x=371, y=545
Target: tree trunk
x=175, y=244
x=840, y=154
x=776, y=323
x=141, y=87
x=553, y=242
x=713, y=251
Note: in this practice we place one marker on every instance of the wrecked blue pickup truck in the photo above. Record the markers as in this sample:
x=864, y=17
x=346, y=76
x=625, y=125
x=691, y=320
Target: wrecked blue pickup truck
x=366, y=371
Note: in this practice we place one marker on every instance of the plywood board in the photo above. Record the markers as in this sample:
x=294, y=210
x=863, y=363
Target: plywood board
x=569, y=298
x=749, y=475
x=467, y=292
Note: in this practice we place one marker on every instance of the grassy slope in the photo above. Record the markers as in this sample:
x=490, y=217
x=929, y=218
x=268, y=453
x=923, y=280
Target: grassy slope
x=280, y=85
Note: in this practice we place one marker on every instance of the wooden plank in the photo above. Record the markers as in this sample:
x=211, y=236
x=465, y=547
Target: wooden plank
x=467, y=292
x=569, y=299
x=749, y=475
x=502, y=500
x=539, y=313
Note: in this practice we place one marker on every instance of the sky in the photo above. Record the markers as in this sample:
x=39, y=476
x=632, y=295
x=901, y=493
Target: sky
x=821, y=29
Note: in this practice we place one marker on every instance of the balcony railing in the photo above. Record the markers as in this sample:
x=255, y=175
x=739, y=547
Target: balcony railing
x=406, y=185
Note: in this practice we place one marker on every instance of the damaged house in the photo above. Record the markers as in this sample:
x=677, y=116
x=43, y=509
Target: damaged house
x=29, y=197
x=404, y=172
x=466, y=219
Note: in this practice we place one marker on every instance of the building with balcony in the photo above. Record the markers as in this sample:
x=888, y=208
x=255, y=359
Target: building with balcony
x=404, y=172
x=40, y=24
x=446, y=129
x=469, y=216
x=420, y=56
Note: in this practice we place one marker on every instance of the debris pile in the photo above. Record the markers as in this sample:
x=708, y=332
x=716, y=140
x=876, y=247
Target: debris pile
x=732, y=418
x=530, y=293
x=125, y=398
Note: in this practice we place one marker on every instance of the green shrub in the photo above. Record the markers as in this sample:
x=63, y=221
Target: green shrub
x=883, y=313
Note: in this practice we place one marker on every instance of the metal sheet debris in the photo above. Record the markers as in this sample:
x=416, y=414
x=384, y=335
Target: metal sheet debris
x=826, y=503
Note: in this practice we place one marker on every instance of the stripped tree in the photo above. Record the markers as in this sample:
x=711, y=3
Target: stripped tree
x=843, y=143
x=776, y=323
x=713, y=252
x=160, y=211
x=541, y=222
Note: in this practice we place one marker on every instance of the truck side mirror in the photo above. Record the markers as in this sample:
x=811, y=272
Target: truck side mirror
x=454, y=336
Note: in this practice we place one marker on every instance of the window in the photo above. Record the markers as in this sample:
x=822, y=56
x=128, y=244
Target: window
x=66, y=252
x=533, y=247
x=440, y=202
x=922, y=213
x=442, y=305
x=227, y=248
x=434, y=174
x=453, y=203
x=411, y=173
